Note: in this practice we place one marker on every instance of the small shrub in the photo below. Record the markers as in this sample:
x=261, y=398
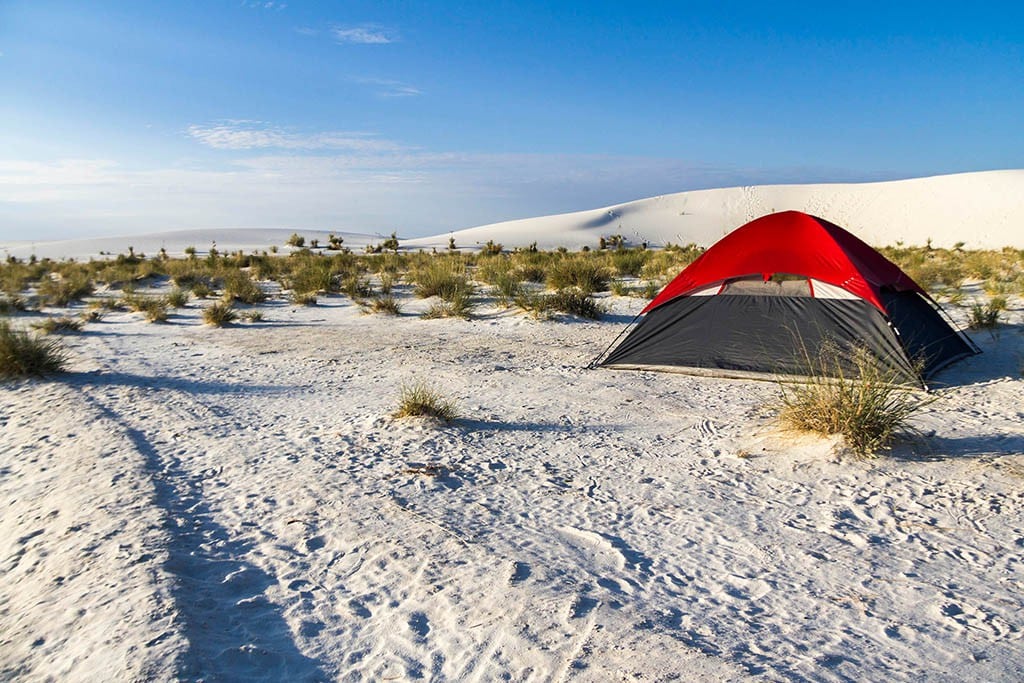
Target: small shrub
x=583, y=273
x=202, y=290
x=576, y=302
x=460, y=305
x=867, y=410
x=420, y=400
x=304, y=298
x=61, y=291
x=619, y=288
x=252, y=316
x=296, y=240
x=357, y=287
x=387, y=282
x=983, y=317
x=59, y=325
x=629, y=261
x=13, y=304
x=537, y=305
x=385, y=304
x=240, y=287
x=219, y=314
x=177, y=298
x=155, y=309
x=23, y=355
x=445, y=279
x=507, y=289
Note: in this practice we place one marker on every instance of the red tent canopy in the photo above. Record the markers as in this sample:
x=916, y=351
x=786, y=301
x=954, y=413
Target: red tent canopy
x=793, y=243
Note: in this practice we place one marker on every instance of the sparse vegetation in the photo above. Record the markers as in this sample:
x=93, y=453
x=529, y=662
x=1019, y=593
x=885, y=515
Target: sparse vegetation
x=459, y=305
x=24, y=355
x=177, y=298
x=385, y=304
x=421, y=400
x=868, y=409
x=442, y=277
x=984, y=317
x=61, y=325
x=543, y=305
x=219, y=314
x=584, y=273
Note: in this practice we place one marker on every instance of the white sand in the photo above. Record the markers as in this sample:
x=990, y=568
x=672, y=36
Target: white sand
x=984, y=210
x=236, y=504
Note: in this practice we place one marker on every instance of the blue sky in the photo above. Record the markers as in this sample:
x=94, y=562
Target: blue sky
x=128, y=117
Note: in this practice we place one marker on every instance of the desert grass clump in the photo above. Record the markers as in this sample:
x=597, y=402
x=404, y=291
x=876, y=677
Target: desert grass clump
x=252, y=316
x=202, y=289
x=177, y=298
x=62, y=325
x=984, y=317
x=59, y=291
x=303, y=298
x=387, y=305
x=240, y=287
x=13, y=304
x=578, y=303
x=357, y=287
x=507, y=288
x=572, y=301
x=585, y=273
x=24, y=355
x=460, y=305
x=444, y=278
x=154, y=308
x=864, y=403
x=219, y=314
x=421, y=400
x=629, y=261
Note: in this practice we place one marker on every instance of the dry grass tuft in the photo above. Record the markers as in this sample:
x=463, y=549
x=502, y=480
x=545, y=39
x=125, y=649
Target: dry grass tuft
x=23, y=355
x=219, y=314
x=420, y=400
x=63, y=325
x=868, y=410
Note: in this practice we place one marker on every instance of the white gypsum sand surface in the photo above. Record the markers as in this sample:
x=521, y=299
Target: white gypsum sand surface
x=238, y=504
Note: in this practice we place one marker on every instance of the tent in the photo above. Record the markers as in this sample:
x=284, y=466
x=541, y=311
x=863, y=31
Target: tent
x=771, y=296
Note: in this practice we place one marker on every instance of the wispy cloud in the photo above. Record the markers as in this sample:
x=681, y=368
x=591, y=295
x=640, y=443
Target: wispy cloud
x=266, y=4
x=246, y=135
x=390, y=88
x=366, y=34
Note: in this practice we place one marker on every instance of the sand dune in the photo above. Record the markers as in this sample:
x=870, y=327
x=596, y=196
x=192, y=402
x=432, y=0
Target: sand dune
x=984, y=210
x=176, y=241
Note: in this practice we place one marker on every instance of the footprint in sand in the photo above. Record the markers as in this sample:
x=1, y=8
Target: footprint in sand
x=520, y=572
x=419, y=624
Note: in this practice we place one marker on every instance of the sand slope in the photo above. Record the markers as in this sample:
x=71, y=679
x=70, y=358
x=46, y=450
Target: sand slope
x=984, y=210
x=194, y=503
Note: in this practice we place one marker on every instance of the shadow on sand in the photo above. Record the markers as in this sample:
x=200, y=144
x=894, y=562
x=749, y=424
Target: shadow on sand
x=234, y=632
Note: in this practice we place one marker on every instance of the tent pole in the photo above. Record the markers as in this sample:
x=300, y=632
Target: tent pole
x=952, y=323
x=594, y=363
